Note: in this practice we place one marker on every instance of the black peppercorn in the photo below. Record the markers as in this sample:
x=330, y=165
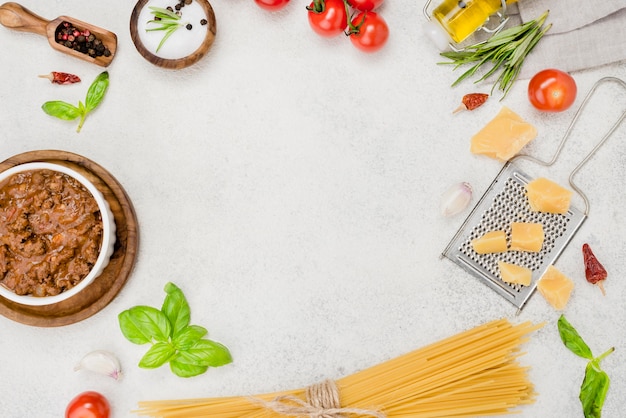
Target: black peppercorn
x=188, y=26
x=203, y=22
x=80, y=40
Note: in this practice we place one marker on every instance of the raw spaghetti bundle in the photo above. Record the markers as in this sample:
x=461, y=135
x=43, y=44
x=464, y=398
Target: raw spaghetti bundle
x=474, y=373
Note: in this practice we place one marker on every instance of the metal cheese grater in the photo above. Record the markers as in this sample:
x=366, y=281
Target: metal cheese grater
x=505, y=202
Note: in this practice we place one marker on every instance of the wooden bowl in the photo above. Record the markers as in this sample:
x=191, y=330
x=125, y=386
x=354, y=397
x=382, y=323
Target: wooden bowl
x=110, y=283
x=161, y=59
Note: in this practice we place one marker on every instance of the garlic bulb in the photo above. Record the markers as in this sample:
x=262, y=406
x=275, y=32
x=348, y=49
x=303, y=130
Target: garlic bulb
x=456, y=199
x=101, y=361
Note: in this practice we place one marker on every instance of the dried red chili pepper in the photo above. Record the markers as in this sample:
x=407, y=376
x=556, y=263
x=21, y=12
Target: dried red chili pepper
x=56, y=77
x=594, y=271
x=472, y=101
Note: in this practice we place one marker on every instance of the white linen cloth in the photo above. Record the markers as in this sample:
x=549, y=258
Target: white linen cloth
x=584, y=34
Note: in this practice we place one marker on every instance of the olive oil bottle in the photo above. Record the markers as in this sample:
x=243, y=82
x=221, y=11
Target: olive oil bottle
x=461, y=18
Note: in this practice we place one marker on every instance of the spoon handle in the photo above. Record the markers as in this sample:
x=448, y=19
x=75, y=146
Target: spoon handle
x=15, y=16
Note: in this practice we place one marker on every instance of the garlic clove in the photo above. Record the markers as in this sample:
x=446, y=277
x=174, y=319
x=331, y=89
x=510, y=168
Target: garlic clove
x=456, y=199
x=101, y=361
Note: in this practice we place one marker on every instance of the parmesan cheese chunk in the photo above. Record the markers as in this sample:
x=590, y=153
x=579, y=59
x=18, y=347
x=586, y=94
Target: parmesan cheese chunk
x=504, y=136
x=555, y=287
x=526, y=236
x=512, y=273
x=546, y=196
x=491, y=242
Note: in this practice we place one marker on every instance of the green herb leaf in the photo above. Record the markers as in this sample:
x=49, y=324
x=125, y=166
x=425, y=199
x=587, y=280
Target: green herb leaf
x=210, y=353
x=573, y=340
x=151, y=321
x=176, y=308
x=189, y=336
x=159, y=354
x=96, y=91
x=131, y=330
x=61, y=110
x=169, y=32
x=184, y=365
x=596, y=382
x=173, y=339
x=167, y=21
x=66, y=111
x=163, y=13
x=593, y=390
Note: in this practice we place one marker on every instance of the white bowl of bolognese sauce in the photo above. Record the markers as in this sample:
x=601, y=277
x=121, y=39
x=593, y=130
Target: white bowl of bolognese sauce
x=57, y=233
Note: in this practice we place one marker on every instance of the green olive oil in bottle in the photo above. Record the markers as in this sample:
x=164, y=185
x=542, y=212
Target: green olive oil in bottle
x=461, y=18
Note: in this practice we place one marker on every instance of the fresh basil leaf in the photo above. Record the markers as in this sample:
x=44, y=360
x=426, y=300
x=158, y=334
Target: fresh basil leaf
x=96, y=91
x=61, y=110
x=173, y=339
x=151, y=321
x=209, y=353
x=176, y=308
x=182, y=366
x=189, y=336
x=593, y=390
x=573, y=340
x=157, y=355
x=131, y=330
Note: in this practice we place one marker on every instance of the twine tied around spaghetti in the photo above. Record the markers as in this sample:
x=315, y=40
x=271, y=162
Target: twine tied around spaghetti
x=322, y=401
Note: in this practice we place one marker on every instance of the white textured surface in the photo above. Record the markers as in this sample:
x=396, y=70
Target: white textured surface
x=290, y=186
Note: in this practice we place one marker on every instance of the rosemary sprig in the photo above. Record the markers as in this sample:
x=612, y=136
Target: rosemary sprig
x=168, y=21
x=506, y=51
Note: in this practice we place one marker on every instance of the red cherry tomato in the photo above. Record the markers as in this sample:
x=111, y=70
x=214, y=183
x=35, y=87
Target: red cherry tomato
x=365, y=5
x=331, y=21
x=370, y=33
x=552, y=90
x=88, y=405
x=271, y=5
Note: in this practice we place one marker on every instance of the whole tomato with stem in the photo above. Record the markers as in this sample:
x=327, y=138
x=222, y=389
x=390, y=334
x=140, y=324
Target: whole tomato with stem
x=88, y=405
x=328, y=18
x=552, y=90
x=271, y=5
x=365, y=5
x=368, y=31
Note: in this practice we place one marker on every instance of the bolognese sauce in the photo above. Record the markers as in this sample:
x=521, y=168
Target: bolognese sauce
x=50, y=232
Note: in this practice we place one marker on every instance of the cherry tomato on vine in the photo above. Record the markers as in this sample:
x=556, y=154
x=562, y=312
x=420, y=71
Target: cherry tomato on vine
x=365, y=5
x=328, y=18
x=552, y=90
x=368, y=31
x=271, y=5
x=88, y=405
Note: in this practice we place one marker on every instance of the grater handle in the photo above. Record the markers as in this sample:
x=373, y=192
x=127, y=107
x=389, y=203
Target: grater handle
x=600, y=143
x=569, y=130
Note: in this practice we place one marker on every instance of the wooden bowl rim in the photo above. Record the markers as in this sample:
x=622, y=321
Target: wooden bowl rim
x=177, y=63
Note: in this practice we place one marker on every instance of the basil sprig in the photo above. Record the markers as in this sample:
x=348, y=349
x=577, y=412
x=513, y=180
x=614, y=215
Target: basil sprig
x=67, y=111
x=596, y=382
x=173, y=340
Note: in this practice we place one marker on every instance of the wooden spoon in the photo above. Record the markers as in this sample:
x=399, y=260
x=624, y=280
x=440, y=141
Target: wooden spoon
x=15, y=16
